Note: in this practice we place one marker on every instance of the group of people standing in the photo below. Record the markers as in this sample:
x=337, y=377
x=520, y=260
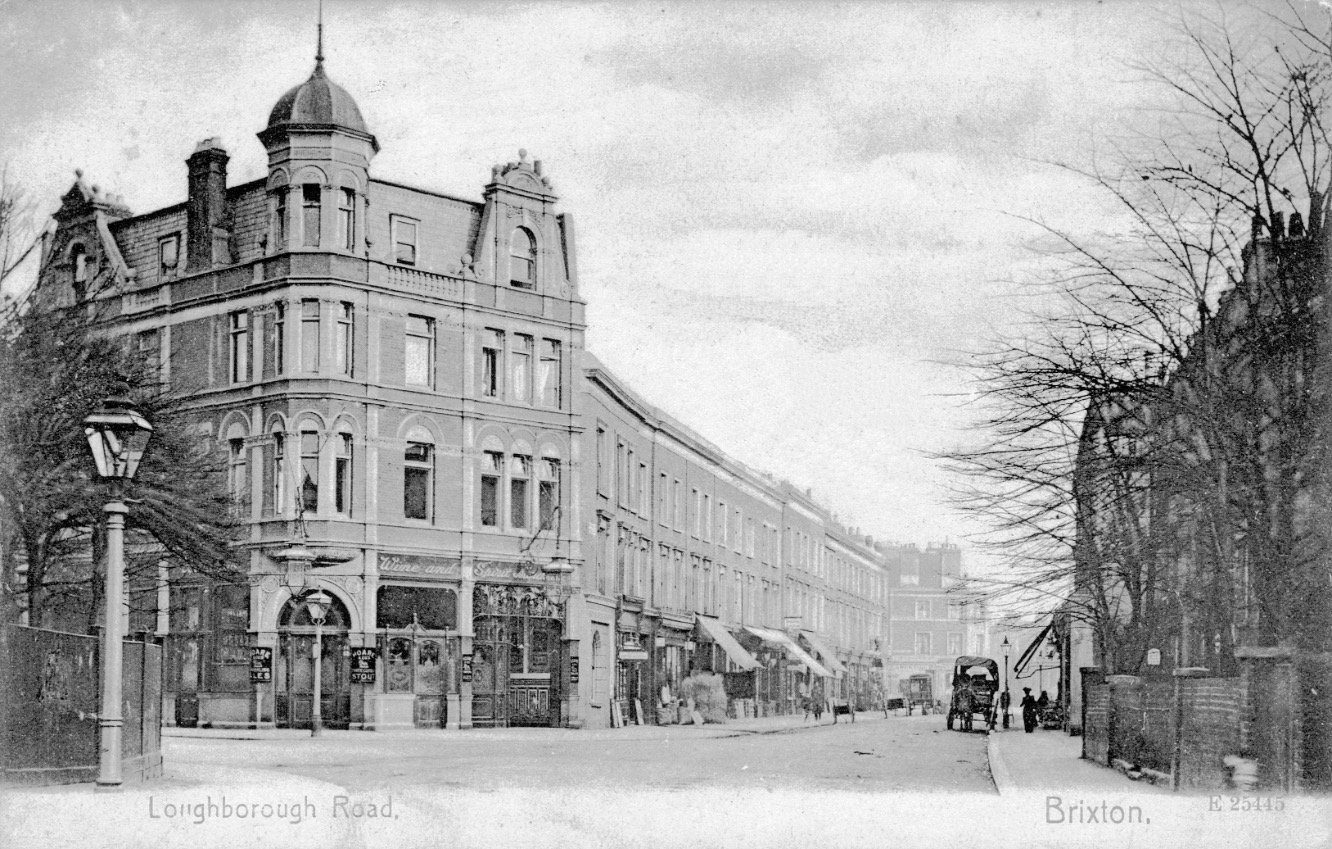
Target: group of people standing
x=1032, y=708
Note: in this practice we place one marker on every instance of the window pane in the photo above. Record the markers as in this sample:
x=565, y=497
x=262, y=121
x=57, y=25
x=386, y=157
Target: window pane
x=489, y=501
x=417, y=351
x=310, y=205
x=309, y=472
x=343, y=470
x=522, y=364
x=416, y=493
x=404, y=241
x=279, y=337
x=310, y=335
x=344, y=339
x=347, y=218
x=547, y=498
x=280, y=214
x=518, y=503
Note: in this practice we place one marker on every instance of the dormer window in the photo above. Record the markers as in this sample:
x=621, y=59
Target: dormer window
x=78, y=258
x=168, y=255
x=310, y=214
x=404, y=240
x=522, y=259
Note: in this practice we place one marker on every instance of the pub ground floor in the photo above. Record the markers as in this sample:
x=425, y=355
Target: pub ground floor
x=407, y=641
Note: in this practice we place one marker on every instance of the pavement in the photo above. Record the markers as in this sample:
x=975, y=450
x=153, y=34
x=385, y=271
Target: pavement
x=1052, y=760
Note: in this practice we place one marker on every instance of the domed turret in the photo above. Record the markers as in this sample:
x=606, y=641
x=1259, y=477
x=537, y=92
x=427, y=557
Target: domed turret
x=318, y=101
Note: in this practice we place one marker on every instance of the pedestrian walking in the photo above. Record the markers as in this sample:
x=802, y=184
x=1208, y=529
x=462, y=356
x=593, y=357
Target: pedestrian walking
x=1028, y=705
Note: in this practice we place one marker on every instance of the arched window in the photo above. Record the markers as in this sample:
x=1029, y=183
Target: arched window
x=309, y=471
x=310, y=213
x=279, y=473
x=347, y=219
x=280, y=217
x=418, y=475
x=522, y=263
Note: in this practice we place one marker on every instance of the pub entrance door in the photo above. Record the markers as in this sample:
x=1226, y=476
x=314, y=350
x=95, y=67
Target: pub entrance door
x=426, y=665
x=294, y=672
x=517, y=655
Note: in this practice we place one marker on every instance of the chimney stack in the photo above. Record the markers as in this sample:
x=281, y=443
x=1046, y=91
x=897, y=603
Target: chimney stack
x=206, y=235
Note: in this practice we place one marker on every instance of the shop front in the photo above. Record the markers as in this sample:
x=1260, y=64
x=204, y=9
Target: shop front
x=419, y=651
x=740, y=669
x=408, y=668
x=518, y=656
x=634, y=679
x=673, y=649
x=793, y=674
x=838, y=684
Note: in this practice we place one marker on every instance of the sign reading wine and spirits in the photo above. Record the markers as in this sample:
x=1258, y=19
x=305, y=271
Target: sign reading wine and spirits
x=573, y=671
x=261, y=664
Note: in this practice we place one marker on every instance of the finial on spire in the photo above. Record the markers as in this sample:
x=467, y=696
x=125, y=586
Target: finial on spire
x=319, y=48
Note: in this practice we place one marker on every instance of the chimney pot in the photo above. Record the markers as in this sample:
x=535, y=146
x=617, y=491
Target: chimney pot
x=206, y=208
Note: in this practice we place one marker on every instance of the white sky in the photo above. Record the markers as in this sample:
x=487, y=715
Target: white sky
x=788, y=215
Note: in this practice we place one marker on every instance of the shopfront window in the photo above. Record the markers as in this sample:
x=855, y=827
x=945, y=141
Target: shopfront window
x=428, y=608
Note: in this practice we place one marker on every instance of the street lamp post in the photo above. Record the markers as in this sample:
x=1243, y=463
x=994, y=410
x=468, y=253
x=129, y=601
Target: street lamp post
x=1007, y=698
x=117, y=436
x=317, y=604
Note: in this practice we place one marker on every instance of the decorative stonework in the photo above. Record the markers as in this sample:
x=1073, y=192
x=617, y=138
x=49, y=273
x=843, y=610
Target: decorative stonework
x=503, y=600
x=483, y=569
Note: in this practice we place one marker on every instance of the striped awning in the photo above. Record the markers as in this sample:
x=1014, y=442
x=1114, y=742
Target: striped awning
x=792, y=650
x=722, y=637
x=821, y=649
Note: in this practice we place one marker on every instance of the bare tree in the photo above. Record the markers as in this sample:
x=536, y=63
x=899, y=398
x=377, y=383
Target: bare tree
x=1152, y=441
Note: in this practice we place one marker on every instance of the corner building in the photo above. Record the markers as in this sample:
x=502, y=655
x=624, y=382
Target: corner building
x=396, y=381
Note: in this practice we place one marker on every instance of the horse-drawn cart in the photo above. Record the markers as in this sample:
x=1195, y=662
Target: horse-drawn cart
x=975, y=693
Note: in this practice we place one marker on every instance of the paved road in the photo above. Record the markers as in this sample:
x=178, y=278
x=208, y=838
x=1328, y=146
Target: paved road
x=899, y=754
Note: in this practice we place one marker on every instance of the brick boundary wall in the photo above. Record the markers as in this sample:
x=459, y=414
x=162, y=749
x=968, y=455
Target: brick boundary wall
x=1095, y=716
x=1207, y=711
x=1158, y=725
x=1314, y=674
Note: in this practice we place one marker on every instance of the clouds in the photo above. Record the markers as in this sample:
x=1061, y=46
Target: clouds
x=787, y=212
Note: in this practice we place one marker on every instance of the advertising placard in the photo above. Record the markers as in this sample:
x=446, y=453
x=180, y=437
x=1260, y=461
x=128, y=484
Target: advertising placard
x=363, y=665
x=261, y=664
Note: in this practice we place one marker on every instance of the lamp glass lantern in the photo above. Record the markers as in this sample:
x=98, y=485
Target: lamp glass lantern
x=118, y=435
x=317, y=604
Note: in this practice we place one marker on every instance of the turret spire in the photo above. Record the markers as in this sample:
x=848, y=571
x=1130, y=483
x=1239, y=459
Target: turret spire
x=319, y=47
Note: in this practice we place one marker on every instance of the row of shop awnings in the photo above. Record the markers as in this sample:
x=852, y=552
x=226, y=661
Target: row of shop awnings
x=821, y=649
x=795, y=652
x=723, y=638
x=827, y=665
